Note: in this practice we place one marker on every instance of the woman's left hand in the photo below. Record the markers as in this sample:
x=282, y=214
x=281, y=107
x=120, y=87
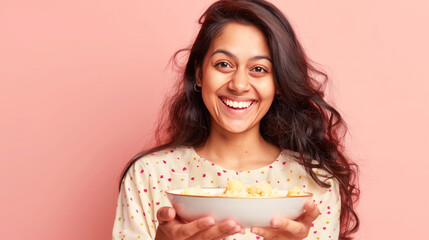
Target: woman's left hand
x=283, y=228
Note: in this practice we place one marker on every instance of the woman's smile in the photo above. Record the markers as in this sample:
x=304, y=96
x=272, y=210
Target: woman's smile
x=236, y=105
x=236, y=109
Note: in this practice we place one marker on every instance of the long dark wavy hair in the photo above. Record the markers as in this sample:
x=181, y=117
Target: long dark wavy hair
x=299, y=119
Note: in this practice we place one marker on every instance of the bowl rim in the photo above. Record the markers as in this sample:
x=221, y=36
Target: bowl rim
x=168, y=192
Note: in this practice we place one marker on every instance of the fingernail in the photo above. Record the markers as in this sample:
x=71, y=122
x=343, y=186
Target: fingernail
x=209, y=222
x=254, y=230
x=242, y=231
x=231, y=225
x=237, y=229
x=166, y=214
x=276, y=222
x=170, y=213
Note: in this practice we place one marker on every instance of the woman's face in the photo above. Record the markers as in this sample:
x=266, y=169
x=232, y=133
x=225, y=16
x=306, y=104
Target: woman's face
x=236, y=78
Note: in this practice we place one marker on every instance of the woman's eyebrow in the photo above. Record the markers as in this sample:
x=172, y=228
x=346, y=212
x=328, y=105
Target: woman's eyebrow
x=262, y=57
x=229, y=54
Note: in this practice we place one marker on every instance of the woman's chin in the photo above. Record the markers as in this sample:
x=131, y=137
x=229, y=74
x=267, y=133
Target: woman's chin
x=238, y=128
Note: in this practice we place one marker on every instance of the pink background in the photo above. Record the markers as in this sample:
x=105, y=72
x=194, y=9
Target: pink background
x=81, y=83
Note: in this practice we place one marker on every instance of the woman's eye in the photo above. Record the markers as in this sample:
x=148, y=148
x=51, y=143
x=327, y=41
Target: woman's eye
x=259, y=69
x=223, y=65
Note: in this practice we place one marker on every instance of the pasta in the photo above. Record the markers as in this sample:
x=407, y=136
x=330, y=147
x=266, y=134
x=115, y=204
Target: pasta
x=235, y=188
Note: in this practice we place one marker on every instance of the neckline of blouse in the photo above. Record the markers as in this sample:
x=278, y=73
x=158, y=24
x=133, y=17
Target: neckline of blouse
x=283, y=154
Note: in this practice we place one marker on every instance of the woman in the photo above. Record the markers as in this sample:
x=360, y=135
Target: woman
x=248, y=108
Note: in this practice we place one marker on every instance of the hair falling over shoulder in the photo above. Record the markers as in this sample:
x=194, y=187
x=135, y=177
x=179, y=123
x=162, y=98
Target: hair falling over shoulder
x=299, y=119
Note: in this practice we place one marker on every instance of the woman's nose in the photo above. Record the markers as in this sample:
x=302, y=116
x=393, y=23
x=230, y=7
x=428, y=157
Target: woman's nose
x=239, y=82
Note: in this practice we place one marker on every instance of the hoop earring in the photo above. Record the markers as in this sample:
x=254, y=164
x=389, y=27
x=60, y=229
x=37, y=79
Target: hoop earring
x=197, y=88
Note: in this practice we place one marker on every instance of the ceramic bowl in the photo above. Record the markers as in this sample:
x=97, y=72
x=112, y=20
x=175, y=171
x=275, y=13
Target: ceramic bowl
x=246, y=211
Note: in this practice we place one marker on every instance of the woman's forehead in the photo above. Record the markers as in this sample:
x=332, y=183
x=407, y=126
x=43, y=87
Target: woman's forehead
x=240, y=40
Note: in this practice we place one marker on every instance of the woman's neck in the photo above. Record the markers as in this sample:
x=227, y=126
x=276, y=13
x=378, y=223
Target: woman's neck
x=238, y=151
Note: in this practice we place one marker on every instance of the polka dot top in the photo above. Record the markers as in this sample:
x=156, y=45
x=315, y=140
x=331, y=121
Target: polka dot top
x=143, y=190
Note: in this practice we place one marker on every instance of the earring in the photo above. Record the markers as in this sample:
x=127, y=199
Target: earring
x=197, y=88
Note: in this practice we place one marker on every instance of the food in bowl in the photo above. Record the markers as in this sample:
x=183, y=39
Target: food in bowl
x=295, y=192
x=250, y=205
x=235, y=188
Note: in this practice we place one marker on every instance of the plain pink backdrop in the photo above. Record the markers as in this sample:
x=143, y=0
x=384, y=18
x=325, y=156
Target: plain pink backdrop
x=81, y=83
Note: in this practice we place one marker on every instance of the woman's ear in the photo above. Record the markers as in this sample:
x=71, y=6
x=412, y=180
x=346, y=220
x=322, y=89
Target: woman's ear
x=198, y=74
x=277, y=89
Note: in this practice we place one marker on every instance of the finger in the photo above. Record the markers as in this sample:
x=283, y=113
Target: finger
x=263, y=232
x=311, y=213
x=282, y=226
x=165, y=214
x=293, y=227
x=287, y=224
x=222, y=230
x=243, y=231
x=190, y=229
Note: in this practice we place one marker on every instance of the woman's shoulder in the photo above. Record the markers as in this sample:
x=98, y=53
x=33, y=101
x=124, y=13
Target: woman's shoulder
x=292, y=160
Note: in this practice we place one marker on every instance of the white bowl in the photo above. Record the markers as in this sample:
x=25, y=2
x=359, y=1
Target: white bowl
x=246, y=211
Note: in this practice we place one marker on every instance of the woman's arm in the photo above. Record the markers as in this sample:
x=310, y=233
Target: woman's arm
x=133, y=220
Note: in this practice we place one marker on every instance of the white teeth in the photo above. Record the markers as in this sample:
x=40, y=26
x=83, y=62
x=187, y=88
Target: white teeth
x=235, y=104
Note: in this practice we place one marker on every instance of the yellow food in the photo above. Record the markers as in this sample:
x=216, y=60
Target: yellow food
x=193, y=191
x=295, y=192
x=235, y=188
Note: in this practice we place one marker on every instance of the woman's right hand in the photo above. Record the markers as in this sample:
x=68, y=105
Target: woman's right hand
x=170, y=227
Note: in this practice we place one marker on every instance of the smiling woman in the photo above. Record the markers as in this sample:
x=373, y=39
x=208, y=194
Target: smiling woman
x=247, y=108
x=236, y=79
